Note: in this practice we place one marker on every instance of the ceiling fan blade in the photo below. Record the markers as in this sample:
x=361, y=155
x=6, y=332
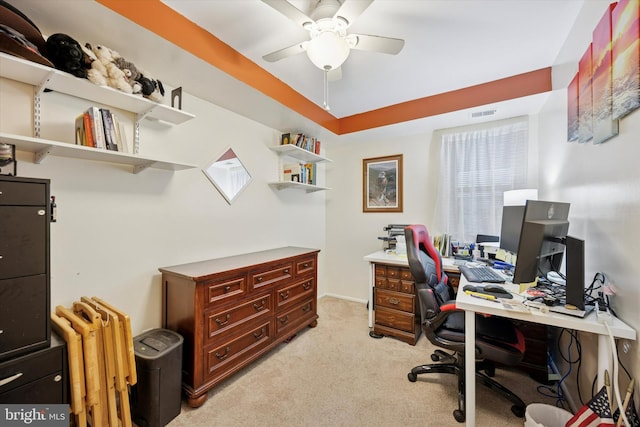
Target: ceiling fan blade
x=334, y=74
x=378, y=44
x=290, y=11
x=286, y=52
x=351, y=9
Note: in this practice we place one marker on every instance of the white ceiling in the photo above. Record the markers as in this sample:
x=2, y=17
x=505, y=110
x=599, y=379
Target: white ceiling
x=449, y=44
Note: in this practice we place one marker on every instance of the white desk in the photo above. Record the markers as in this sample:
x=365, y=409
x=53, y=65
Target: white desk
x=588, y=324
x=384, y=257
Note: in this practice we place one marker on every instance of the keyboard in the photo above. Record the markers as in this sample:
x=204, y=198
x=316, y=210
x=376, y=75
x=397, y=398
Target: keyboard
x=481, y=274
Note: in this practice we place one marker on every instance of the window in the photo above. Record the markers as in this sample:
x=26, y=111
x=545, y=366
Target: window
x=477, y=165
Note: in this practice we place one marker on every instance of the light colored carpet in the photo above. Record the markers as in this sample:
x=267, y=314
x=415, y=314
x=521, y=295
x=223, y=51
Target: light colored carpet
x=336, y=375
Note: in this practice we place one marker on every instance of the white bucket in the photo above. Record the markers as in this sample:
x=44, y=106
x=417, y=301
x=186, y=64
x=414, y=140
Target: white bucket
x=542, y=415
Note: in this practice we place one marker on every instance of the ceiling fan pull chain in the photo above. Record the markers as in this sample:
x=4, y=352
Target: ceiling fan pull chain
x=326, y=88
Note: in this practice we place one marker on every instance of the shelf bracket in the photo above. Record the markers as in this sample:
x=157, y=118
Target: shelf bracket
x=140, y=167
x=136, y=129
x=40, y=155
x=37, y=91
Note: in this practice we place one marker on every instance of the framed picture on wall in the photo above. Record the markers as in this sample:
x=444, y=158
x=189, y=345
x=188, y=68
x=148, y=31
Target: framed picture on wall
x=382, y=184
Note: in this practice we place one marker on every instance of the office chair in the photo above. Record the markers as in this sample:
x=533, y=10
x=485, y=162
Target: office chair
x=497, y=339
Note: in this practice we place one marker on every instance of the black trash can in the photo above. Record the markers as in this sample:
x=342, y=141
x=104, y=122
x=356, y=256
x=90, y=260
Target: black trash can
x=156, y=398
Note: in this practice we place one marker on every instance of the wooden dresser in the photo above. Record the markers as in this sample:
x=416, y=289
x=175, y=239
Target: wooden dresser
x=233, y=310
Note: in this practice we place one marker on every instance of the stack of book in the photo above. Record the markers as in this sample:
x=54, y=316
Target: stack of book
x=304, y=173
x=99, y=128
x=301, y=140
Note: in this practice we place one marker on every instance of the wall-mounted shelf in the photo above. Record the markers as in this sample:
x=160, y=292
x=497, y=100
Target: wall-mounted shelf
x=282, y=185
x=292, y=151
x=41, y=148
x=298, y=153
x=43, y=77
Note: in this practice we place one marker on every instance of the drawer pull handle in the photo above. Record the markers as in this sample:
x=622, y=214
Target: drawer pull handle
x=305, y=265
x=260, y=279
x=260, y=306
x=223, y=356
x=57, y=378
x=227, y=288
x=306, y=308
x=306, y=286
x=286, y=271
x=394, y=301
x=258, y=335
x=9, y=379
x=284, y=295
x=223, y=322
x=284, y=319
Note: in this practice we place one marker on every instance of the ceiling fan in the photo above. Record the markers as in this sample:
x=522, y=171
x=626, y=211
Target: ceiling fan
x=329, y=44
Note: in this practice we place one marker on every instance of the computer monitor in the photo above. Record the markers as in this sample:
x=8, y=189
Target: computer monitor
x=512, y=217
x=542, y=239
x=574, y=293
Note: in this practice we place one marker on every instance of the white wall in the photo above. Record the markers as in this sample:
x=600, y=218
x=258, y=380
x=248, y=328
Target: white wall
x=116, y=228
x=352, y=234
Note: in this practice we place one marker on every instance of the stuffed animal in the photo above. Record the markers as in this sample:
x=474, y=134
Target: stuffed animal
x=130, y=71
x=116, y=78
x=151, y=88
x=67, y=55
x=97, y=74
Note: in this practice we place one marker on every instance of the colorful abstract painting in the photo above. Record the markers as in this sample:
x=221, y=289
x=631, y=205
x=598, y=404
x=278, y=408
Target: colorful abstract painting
x=604, y=127
x=585, y=98
x=572, y=110
x=626, y=56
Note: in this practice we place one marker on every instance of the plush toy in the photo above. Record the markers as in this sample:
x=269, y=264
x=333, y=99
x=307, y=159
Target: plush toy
x=151, y=88
x=67, y=55
x=130, y=71
x=97, y=73
x=116, y=78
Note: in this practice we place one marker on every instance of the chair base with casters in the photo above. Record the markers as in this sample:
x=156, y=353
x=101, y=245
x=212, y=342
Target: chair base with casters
x=454, y=364
x=497, y=339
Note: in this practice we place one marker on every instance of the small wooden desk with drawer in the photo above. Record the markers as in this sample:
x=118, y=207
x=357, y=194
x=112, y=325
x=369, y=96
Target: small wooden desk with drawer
x=392, y=292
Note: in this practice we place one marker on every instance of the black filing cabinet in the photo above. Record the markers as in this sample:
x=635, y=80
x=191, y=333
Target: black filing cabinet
x=24, y=266
x=39, y=377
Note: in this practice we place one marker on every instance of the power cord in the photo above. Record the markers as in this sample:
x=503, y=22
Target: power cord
x=604, y=317
x=558, y=393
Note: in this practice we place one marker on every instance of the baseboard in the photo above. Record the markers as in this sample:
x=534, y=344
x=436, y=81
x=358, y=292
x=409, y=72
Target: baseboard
x=362, y=301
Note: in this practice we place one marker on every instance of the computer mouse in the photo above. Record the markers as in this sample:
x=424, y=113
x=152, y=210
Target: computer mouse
x=495, y=289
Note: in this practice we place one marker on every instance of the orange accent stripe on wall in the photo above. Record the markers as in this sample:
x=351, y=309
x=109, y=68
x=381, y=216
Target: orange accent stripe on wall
x=526, y=84
x=154, y=16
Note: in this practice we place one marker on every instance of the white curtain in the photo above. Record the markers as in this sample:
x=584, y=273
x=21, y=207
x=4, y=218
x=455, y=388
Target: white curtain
x=477, y=165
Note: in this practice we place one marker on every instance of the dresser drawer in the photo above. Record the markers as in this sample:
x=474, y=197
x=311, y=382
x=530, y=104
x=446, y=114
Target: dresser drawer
x=221, y=321
x=396, y=300
x=221, y=359
x=300, y=314
x=23, y=193
x=395, y=319
x=305, y=266
x=291, y=294
x=405, y=274
x=393, y=272
x=225, y=288
x=271, y=275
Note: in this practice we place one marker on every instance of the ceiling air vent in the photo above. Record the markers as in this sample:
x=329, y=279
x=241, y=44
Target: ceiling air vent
x=485, y=113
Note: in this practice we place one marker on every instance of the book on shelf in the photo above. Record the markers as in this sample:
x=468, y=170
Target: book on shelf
x=109, y=130
x=304, y=173
x=100, y=128
x=301, y=140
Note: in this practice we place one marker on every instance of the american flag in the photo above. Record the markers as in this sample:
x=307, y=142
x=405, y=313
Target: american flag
x=596, y=413
x=631, y=414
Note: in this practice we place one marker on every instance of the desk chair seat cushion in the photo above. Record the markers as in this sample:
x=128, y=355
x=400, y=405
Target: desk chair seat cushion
x=496, y=338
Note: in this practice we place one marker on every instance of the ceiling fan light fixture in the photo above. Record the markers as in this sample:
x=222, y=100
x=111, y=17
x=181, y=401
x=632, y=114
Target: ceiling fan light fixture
x=328, y=50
